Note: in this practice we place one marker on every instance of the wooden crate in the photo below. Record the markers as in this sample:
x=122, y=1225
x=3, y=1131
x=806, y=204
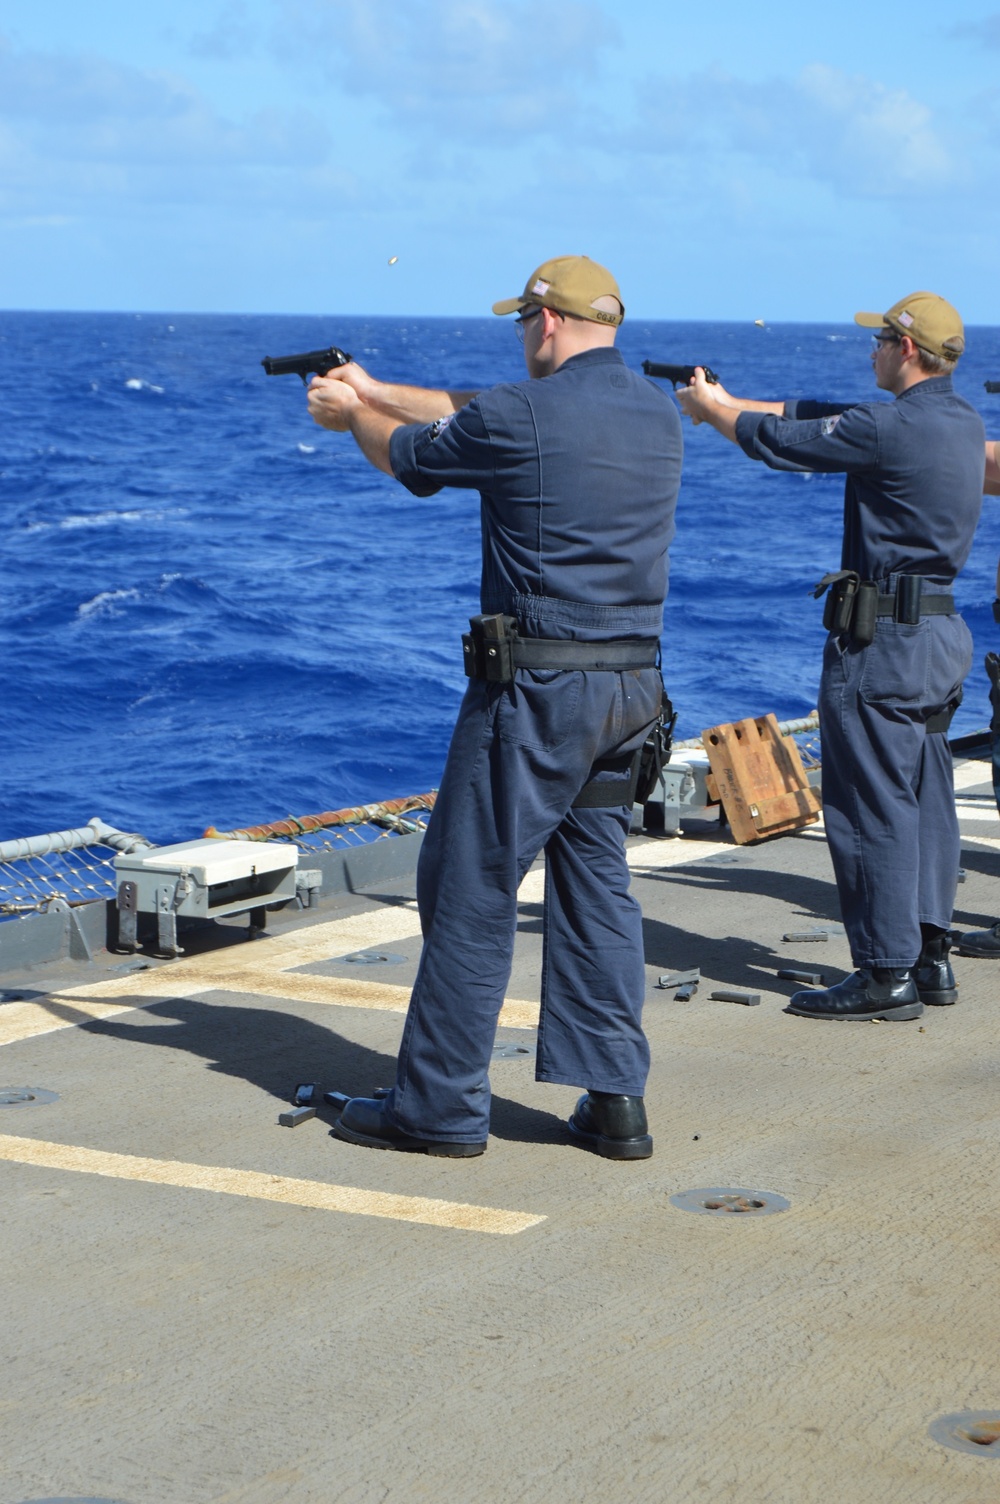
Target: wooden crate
x=760, y=778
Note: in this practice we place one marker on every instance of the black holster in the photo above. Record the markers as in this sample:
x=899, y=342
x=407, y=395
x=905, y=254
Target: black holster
x=655, y=752
x=488, y=648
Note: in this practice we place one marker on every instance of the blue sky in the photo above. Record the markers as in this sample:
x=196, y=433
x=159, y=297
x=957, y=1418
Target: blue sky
x=785, y=161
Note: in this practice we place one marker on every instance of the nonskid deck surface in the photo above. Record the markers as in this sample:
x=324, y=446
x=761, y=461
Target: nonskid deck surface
x=207, y=1307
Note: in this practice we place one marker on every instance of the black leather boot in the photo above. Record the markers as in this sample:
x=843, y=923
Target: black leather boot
x=614, y=1126
x=883, y=992
x=933, y=974
x=364, y=1121
x=982, y=943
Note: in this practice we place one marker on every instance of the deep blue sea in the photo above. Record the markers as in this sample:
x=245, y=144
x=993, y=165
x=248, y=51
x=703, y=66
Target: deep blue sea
x=215, y=612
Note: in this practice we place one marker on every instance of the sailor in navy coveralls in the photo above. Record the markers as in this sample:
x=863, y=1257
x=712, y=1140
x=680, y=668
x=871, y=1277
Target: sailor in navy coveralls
x=578, y=470
x=897, y=652
x=986, y=943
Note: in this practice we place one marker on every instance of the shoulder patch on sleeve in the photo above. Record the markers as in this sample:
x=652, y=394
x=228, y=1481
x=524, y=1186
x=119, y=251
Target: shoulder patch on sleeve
x=439, y=425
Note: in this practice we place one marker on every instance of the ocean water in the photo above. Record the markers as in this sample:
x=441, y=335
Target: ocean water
x=215, y=612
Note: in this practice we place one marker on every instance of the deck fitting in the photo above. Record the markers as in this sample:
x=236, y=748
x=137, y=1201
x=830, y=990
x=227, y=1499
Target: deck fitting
x=26, y=1096
x=720, y=1201
x=511, y=1051
x=976, y=1432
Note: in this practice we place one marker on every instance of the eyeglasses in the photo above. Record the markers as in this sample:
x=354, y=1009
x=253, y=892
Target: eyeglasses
x=524, y=319
x=878, y=340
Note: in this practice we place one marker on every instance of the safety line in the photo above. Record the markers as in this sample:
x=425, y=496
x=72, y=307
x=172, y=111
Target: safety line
x=316, y=1194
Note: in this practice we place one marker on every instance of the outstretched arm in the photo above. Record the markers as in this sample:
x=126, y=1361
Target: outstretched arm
x=706, y=402
x=337, y=406
x=407, y=404
x=991, y=485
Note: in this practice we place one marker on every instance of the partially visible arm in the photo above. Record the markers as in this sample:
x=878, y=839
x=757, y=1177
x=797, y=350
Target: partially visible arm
x=991, y=485
x=407, y=404
x=372, y=433
x=706, y=402
x=337, y=406
x=452, y=450
x=415, y=404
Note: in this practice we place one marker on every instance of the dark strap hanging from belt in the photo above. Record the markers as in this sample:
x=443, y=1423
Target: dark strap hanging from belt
x=637, y=775
x=936, y=724
x=608, y=793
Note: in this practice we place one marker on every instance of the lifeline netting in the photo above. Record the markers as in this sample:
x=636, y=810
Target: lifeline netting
x=69, y=867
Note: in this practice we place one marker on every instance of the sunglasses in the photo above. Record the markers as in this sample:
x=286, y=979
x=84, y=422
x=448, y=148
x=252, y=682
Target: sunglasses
x=519, y=323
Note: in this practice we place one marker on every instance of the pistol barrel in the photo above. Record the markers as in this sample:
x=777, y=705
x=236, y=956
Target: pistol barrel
x=311, y=363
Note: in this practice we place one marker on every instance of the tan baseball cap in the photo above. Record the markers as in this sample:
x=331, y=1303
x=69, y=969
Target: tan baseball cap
x=930, y=322
x=569, y=284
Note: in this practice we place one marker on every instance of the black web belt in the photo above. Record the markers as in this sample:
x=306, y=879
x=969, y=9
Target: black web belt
x=854, y=605
x=493, y=649
x=930, y=605
x=552, y=652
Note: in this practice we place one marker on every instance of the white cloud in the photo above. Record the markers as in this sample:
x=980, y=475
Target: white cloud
x=847, y=131
x=75, y=131
x=471, y=67
x=869, y=138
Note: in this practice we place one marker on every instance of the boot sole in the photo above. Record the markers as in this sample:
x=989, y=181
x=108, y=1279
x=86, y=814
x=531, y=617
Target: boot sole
x=980, y=955
x=942, y=999
x=889, y=1015
x=614, y=1148
x=416, y=1146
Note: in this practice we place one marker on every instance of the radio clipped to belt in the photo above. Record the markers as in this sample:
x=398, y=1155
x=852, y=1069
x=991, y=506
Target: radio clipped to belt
x=854, y=605
x=851, y=606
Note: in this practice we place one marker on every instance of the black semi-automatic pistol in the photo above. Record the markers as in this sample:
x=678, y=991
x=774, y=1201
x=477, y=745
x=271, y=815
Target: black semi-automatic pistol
x=676, y=375
x=312, y=363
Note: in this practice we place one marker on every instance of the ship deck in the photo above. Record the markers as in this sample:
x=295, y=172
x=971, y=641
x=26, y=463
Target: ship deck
x=207, y=1308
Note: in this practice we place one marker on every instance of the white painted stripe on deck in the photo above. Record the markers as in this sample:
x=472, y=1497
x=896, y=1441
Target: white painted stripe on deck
x=263, y=968
x=261, y=1187
x=968, y=774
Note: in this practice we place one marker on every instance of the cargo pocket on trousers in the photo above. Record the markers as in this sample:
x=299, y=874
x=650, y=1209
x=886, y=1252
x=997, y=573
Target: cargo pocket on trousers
x=540, y=709
x=897, y=665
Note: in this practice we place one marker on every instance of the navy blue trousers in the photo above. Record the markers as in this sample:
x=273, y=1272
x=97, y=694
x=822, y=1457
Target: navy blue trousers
x=888, y=787
x=519, y=756
x=995, y=729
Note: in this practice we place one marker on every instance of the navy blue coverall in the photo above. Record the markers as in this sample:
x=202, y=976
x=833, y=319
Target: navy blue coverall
x=912, y=500
x=578, y=474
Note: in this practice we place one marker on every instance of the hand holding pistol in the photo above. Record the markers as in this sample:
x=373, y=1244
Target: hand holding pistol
x=677, y=375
